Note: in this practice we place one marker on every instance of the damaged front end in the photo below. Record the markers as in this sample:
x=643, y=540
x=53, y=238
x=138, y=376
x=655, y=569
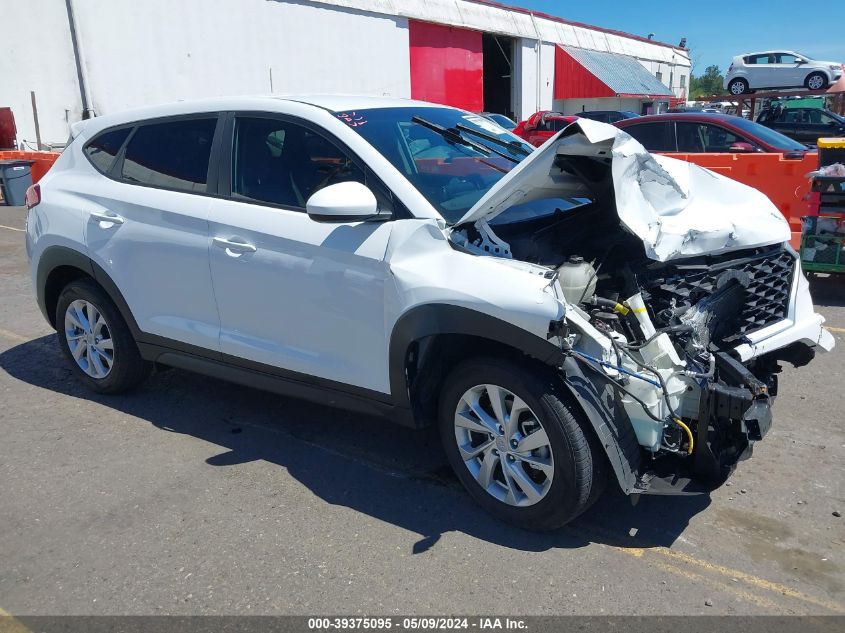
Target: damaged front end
x=681, y=297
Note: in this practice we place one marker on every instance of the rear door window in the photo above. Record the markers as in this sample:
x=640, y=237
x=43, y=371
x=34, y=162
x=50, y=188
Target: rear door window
x=171, y=154
x=760, y=59
x=103, y=149
x=655, y=137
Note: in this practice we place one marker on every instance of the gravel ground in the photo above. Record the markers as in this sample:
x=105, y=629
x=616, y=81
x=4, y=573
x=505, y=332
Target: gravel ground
x=192, y=496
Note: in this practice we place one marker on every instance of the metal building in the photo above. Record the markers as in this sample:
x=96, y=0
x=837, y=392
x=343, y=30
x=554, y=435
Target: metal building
x=69, y=59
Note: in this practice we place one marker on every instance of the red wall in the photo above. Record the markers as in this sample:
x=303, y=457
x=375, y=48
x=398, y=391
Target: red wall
x=573, y=81
x=447, y=65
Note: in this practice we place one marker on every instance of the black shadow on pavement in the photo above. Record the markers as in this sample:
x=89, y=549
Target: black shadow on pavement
x=828, y=290
x=370, y=465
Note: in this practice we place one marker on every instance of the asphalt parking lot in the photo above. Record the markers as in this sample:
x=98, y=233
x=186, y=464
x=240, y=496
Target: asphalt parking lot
x=192, y=496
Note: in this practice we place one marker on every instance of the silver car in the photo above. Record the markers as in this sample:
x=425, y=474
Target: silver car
x=779, y=69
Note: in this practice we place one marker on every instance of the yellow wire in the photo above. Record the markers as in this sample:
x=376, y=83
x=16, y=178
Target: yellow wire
x=689, y=434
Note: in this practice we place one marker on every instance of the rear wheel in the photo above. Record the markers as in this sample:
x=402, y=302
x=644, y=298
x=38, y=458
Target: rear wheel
x=518, y=444
x=815, y=81
x=738, y=86
x=96, y=340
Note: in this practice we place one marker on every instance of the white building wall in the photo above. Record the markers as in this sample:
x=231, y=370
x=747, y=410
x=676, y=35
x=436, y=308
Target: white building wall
x=574, y=106
x=140, y=53
x=671, y=73
x=533, y=92
x=137, y=53
x=37, y=56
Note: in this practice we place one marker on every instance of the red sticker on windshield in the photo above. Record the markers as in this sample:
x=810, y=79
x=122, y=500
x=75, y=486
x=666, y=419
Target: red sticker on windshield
x=352, y=119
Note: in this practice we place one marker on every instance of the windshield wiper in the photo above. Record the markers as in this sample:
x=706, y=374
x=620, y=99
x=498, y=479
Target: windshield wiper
x=515, y=146
x=450, y=134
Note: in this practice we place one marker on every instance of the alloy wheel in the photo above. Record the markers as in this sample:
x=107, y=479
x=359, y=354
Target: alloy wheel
x=503, y=445
x=737, y=88
x=816, y=82
x=89, y=339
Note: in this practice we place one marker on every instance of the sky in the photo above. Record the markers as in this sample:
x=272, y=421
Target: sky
x=715, y=31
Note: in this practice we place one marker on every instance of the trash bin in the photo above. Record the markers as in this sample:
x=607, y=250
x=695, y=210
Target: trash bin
x=15, y=179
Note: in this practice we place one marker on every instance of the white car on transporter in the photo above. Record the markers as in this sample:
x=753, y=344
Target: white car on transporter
x=562, y=314
x=779, y=69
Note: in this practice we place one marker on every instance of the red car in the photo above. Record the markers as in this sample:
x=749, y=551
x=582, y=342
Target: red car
x=541, y=126
x=696, y=133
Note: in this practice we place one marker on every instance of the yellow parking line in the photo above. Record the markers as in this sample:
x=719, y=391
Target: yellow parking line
x=8, y=623
x=760, y=601
x=725, y=572
x=11, y=228
x=755, y=581
x=836, y=329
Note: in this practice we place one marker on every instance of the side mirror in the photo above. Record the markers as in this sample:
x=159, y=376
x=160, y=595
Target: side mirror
x=530, y=127
x=342, y=202
x=741, y=148
x=800, y=61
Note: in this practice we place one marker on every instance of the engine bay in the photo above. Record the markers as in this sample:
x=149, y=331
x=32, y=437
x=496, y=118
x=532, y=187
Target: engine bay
x=660, y=333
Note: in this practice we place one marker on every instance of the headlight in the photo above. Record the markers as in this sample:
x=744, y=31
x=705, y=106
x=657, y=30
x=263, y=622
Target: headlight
x=832, y=67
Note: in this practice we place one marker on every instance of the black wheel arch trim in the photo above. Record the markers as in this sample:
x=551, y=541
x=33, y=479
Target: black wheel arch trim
x=54, y=257
x=609, y=420
x=438, y=318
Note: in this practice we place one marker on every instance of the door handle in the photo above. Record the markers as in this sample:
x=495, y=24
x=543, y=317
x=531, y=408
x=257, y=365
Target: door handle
x=102, y=216
x=233, y=246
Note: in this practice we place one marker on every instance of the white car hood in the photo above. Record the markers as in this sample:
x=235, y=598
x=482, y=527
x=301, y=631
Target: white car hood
x=676, y=208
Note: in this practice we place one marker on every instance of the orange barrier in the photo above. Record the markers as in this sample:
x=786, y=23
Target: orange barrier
x=781, y=179
x=42, y=161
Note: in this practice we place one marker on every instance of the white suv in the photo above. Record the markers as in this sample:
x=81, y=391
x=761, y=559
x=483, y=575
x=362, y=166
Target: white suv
x=582, y=310
x=779, y=69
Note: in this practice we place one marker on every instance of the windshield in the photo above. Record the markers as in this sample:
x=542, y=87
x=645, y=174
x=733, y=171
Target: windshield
x=768, y=135
x=448, y=154
x=502, y=120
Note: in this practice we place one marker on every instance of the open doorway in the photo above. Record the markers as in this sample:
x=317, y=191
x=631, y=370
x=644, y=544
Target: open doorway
x=498, y=74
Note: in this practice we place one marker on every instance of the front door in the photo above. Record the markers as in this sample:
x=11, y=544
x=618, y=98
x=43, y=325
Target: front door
x=293, y=293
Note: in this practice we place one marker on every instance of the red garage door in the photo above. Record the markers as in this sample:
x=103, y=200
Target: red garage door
x=447, y=65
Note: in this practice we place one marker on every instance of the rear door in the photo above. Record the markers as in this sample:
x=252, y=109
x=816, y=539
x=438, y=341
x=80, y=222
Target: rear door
x=761, y=71
x=146, y=224
x=658, y=136
x=293, y=293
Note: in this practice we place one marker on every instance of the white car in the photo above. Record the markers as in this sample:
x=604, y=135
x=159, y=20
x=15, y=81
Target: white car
x=779, y=69
x=567, y=314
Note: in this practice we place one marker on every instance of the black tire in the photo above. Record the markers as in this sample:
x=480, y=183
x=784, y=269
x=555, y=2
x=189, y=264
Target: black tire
x=738, y=81
x=128, y=369
x=580, y=467
x=811, y=76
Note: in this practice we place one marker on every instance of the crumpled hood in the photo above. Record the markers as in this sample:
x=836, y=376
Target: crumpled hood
x=676, y=208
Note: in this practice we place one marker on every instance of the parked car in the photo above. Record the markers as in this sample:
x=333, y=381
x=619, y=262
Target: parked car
x=779, y=69
x=806, y=125
x=702, y=132
x=541, y=126
x=417, y=261
x=607, y=116
x=501, y=119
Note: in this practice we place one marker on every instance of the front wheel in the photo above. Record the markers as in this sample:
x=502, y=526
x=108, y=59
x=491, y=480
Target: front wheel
x=815, y=81
x=518, y=444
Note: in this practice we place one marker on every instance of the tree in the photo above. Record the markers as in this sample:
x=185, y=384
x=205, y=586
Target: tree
x=708, y=84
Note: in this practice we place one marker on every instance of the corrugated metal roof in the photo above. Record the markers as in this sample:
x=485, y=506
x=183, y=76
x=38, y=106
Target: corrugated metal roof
x=624, y=75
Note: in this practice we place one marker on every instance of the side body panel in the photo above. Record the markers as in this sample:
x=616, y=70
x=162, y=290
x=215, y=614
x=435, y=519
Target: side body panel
x=158, y=257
